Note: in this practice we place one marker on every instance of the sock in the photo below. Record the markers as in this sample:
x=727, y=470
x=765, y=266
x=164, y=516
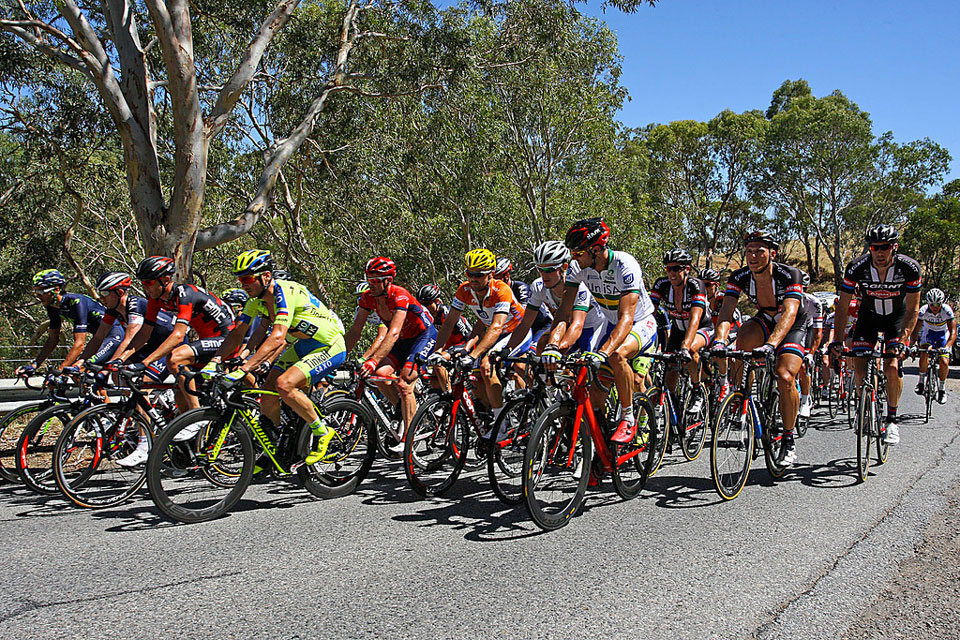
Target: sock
x=892, y=412
x=626, y=414
x=317, y=427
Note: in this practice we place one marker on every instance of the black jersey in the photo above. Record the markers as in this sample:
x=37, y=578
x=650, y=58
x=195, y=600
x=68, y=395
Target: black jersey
x=887, y=296
x=134, y=312
x=460, y=332
x=210, y=316
x=787, y=285
x=694, y=294
x=83, y=311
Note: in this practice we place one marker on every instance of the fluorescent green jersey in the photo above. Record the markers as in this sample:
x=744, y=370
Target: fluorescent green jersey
x=296, y=308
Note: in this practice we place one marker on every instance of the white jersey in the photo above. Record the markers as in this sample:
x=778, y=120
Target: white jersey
x=814, y=308
x=936, y=322
x=541, y=296
x=621, y=277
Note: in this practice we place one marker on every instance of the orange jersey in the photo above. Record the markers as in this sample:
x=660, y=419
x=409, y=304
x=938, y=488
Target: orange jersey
x=498, y=299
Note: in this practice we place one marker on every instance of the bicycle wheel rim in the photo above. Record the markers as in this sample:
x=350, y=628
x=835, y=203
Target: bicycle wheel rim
x=36, y=447
x=694, y=430
x=731, y=448
x=660, y=411
x=435, y=447
x=865, y=421
x=505, y=462
x=11, y=428
x=350, y=455
x=635, y=459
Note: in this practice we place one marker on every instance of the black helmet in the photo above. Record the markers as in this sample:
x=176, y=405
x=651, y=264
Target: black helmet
x=709, y=275
x=761, y=236
x=590, y=232
x=677, y=255
x=804, y=279
x=428, y=293
x=155, y=267
x=235, y=296
x=882, y=233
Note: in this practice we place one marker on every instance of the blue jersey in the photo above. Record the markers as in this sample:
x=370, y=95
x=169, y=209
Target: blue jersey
x=135, y=312
x=82, y=311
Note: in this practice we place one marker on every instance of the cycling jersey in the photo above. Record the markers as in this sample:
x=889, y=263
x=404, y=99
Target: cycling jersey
x=498, y=298
x=887, y=296
x=621, y=277
x=715, y=315
x=83, y=311
x=787, y=285
x=521, y=291
x=814, y=309
x=210, y=316
x=541, y=297
x=936, y=321
x=397, y=298
x=134, y=313
x=694, y=294
x=460, y=332
x=294, y=307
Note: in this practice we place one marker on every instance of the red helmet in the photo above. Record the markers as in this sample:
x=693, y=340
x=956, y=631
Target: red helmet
x=583, y=234
x=380, y=268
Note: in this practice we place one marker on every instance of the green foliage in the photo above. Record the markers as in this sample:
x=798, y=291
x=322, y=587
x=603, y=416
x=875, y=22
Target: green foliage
x=932, y=236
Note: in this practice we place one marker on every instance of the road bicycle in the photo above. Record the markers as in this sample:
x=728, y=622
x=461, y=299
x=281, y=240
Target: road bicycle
x=748, y=419
x=871, y=412
x=94, y=461
x=932, y=384
x=570, y=445
x=675, y=423
x=54, y=389
x=202, y=463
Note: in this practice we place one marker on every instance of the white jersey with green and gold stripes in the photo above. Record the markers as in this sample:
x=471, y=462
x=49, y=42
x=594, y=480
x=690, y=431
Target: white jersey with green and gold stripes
x=622, y=276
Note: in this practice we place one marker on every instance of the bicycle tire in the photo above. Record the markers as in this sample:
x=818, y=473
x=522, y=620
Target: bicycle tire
x=801, y=427
x=693, y=428
x=552, y=499
x=772, y=438
x=658, y=401
x=36, y=445
x=505, y=461
x=348, y=461
x=833, y=397
x=11, y=428
x=634, y=460
x=731, y=447
x=85, y=458
x=865, y=424
x=928, y=391
x=435, y=447
x=177, y=472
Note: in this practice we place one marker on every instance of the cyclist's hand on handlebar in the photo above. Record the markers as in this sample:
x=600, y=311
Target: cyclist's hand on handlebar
x=368, y=368
x=210, y=370
x=808, y=361
x=551, y=358
x=595, y=359
x=765, y=351
x=835, y=347
x=467, y=362
x=684, y=356
x=135, y=367
x=897, y=348
x=26, y=370
x=71, y=370
x=718, y=348
x=235, y=375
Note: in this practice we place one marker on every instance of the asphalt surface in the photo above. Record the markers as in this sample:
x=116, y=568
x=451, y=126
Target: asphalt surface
x=814, y=555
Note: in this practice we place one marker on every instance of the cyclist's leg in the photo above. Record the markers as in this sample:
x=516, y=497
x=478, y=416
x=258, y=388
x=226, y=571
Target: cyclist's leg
x=753, y=333
x=703, y=338
x=108, y=347
x=789, y=361
x=409, y=371
x=642, y=337
x=183, y=356
x=863, y=337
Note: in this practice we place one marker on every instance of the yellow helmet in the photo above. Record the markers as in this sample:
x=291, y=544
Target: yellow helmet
x=252, y=262
x=480, y=260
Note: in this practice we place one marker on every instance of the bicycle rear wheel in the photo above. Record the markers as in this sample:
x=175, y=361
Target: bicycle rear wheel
x=203, y=477
x=731, y=448
x=929, y=391
x=88, y=456
x=661, y=410
x=11, y=428
x=693, y=428
x=866, y=416
x=634, y=460
x=36, y=445
x=350, y=454
x=505, y=461
x=556, y=467
x=435, y=447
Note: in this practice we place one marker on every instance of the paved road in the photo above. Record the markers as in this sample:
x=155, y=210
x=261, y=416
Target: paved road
x=804, y=557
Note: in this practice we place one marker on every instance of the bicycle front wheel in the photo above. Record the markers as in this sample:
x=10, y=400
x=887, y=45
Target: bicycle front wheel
x=11, y=428
x=635, y=459
x=36, y=445
x=435, y=447
x=505, y=461
x=693, y=431
x=866, y=416
x=658, y=401
x=350, y=454
x=731, y=448
x=556, y=467
x=100, y=458
x=200, y=465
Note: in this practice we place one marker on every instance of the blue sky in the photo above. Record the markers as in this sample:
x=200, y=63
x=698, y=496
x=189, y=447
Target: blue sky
x=690, y=59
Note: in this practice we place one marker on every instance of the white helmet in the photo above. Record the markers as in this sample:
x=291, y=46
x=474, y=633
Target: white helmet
x=552, y=253
x=936, y=296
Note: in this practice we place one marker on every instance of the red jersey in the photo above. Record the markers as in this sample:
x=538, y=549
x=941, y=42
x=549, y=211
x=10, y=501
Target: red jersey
x=396, y=297
x=206, y=313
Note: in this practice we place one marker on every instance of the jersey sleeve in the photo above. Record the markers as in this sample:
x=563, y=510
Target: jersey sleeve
x=793, y=285
x=153, y=308
x=401, y=299
x=948, y=311
x=912, y=274
x=735, y=284
x=250, y=311
x=536, y=296
x=574, y=276
x=56, y=322
x=460, y=298
x=136, y=311
x=849, y=282
x=629, y=274
x=584, y=297
x=184, y=305
x=366, y=302
x=81, y=318
x=284, y=303
x=698, y=293
x=656, y=292
x=502, y=297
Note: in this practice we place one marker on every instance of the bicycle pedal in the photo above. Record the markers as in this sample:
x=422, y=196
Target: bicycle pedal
x=297, y=465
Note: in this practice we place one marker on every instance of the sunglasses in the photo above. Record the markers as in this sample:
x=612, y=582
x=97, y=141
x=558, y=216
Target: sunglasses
x=880, y=247
x=149, y=283
x=247, y=279
x=577, y=254
x=105, y=292
x=476, y=275
x=674, y=267
x=547, y=269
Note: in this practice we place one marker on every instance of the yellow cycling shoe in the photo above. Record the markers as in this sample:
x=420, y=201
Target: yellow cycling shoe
x=323, y=441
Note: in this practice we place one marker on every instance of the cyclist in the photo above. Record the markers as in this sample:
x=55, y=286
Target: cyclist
x=543, y=318
x=616, y=282
x=498, y=315
x=192, y=307
x=552, y=259
x=937, y=329
x=776, y=330
x=306, y=335
x=410, y=335
x=128, y=311
x=889, y=287
x=429, y=297
x=684, y=298
x=83, y=311
x=237, y=299
x=711, y=280
x=813, y=335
